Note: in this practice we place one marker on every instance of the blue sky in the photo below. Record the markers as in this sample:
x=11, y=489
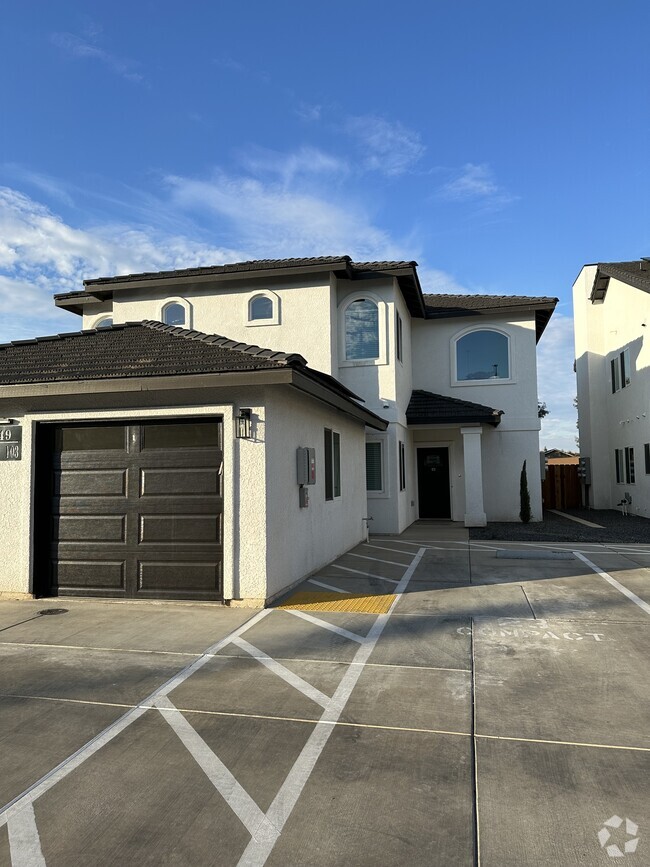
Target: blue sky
x=502, y=145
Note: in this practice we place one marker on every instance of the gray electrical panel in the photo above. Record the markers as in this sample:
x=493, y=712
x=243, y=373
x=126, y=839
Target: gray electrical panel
x=584, y=470
x=306, y=466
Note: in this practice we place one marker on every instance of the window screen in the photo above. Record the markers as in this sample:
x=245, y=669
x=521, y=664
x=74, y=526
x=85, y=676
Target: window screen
x=374, y=481
x=362, y=330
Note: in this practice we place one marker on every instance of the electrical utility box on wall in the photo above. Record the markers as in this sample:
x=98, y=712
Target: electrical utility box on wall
x=306, y=466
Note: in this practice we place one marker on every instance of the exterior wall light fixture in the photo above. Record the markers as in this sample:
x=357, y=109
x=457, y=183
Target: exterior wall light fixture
x=243, y=424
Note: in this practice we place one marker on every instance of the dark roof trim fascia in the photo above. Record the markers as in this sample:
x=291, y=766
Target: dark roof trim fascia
x=303, y=382
x=543, y=313
x=605, y=272
x=447, y=421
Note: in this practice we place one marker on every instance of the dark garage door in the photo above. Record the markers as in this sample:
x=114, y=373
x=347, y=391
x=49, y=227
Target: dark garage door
x=131, y=510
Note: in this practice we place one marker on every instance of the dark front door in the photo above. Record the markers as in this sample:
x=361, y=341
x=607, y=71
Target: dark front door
x=433, y=483
x=131, y=510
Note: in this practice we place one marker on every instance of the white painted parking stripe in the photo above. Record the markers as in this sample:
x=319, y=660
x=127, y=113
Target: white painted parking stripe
x=24, y=842
x=325, y=625
x=365, y=574
x=326, y=586
x=233, y=793
x=46, y=782
x=282, y=671
x=620, y=587
x=394, y=550
x=257, y=852
x=376, y=559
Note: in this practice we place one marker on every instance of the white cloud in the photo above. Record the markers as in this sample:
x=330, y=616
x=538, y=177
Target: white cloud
x=273, y=219
x=304, y=162
x=556, y=383
x=40, y=255
x=79, y=49
x=308, y=112
x=475, y=183
x=388, y=146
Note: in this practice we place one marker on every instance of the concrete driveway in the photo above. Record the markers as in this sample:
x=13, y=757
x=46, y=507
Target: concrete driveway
x=498, y=707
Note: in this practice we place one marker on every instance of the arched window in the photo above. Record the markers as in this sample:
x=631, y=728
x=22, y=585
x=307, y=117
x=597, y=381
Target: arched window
x=362, y=330
x=260, y=307
x=104, y=323
x=174, y=314
x=482, y=355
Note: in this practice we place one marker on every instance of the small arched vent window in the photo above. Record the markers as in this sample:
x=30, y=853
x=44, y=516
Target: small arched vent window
x=482, y=355
x=260, y=307
x=104, y=323
x=174, y=314
x=362, y=330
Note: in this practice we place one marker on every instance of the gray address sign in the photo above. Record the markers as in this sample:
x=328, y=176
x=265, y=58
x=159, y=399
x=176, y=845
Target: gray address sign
x=11, y=442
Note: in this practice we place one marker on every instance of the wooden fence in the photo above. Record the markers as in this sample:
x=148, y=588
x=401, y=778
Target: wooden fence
x=561, y=488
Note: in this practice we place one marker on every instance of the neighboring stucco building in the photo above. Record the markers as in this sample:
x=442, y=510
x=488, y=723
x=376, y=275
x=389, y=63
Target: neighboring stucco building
x=612, y=315
x=160, y=460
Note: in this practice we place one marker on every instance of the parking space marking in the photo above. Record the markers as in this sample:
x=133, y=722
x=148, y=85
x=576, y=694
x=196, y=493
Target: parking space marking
x=375, y=559
x=327, y=586
x=67, y=766
x=345, y=633
x=258, y=851
x=233, y=793
x=24, y=841
x=284, y=673
x=382, y=548
x=620, y=587
x=365, y=574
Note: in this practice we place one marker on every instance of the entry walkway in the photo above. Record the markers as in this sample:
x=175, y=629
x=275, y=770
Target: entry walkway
x=502, y=697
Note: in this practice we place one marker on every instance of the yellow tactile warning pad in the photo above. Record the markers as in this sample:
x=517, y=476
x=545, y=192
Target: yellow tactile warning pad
x=314, y=601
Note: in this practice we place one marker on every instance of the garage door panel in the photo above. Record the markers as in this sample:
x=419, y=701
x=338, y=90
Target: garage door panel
x=90, y=528
x=133, y=509
x=90, y=483
x=180, y=482
x=89, y=574
x=183, y=529
x=195, y=578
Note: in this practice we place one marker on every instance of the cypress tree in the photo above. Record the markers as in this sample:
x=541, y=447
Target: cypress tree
x=524, y=496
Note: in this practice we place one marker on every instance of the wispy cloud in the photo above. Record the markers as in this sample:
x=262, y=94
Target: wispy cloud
x=308, y=112
x=438, y=282
x=301, y=163
x=388, y=146
x=475, y=183
x=81, y=49
x=283, y=221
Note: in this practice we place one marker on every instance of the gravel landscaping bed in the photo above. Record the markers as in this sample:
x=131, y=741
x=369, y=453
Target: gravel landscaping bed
x=555, y=528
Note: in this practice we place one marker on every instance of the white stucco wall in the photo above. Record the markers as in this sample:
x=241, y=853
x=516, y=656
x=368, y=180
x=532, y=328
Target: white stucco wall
x=610, y=421
x=300, y=541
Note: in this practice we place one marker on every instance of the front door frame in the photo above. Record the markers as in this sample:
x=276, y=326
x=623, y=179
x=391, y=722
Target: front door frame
x=433, y=444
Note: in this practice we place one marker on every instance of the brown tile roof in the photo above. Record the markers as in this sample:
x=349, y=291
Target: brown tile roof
x=428, y=408
x=133, y=349
x=254, y=265
x=453, y=306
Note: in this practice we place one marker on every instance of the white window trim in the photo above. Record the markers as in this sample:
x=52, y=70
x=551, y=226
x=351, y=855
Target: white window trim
x=103, y=318
x=480, y=382
x=273, y=297
x=382, y=313
x=184, y=303
x=384, y=494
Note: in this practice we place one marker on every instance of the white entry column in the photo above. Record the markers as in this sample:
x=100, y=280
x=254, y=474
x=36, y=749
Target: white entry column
x=474, y=511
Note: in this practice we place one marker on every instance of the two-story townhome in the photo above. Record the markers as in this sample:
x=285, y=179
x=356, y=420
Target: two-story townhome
x=222, y=432
x=612, y=316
